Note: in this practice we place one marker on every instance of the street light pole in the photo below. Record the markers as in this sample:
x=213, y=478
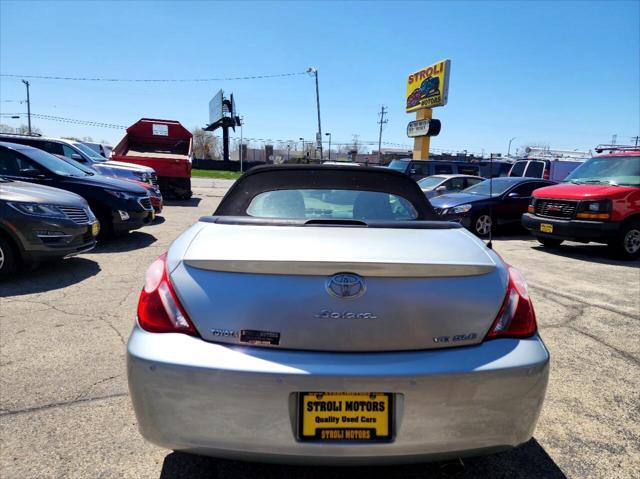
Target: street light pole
x=329, y=135
x=28, y=105
x=509, y=149
x=314, y=71
x=241, y=123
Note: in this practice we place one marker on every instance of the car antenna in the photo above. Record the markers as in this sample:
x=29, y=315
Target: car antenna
x=490, y=242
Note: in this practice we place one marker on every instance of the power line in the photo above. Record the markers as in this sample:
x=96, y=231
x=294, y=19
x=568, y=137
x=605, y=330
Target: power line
x=154, y=80
x=264, y=140
x=68, y=120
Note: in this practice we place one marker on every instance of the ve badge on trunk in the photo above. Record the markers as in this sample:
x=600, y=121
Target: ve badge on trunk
x=546, y=228
x=344, y=417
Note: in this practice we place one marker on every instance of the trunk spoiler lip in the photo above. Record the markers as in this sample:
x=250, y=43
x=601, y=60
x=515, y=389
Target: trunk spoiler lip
x=328, y=268
x=407, y=224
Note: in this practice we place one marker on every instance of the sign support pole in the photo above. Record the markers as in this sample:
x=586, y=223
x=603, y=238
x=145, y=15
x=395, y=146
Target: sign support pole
x=225, y=142
x=421, y=143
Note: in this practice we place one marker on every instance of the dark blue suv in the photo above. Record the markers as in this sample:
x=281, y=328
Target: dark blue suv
x=119, y=205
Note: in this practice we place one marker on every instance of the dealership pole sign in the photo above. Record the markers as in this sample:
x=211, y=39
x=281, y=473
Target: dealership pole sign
x=427, y=88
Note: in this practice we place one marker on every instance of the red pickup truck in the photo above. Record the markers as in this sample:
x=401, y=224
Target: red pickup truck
x=599, y=201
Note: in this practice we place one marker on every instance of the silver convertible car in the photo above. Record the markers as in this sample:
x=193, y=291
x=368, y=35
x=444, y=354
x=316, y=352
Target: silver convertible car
x=324, y=315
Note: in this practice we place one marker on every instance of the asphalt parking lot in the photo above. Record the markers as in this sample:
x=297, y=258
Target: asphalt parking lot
x=65, y=411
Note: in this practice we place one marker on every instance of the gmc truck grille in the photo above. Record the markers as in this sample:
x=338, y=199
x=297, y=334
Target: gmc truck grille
x=556, y=208
x=145, y=202
x=77, y=215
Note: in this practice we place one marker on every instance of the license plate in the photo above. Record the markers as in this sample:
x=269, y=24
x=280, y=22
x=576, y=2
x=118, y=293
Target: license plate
x=546, y=228
x=95, y=228
x=344, y=417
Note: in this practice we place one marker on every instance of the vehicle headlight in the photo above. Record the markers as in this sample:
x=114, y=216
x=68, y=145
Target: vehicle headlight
x=596, y=206
x=462, y=209
x=594, y=210
x=121, y=194
x=37, y=209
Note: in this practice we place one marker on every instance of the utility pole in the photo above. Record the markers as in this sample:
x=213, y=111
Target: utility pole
x=614, y=138
x=28, y=105
x=636, y=139
x=382, y=121
x=314, y=71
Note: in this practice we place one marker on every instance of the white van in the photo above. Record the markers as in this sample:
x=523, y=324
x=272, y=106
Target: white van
x=554, y=170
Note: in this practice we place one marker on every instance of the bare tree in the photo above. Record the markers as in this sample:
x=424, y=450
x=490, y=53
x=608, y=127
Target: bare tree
x=205, y=144
x=21, y=130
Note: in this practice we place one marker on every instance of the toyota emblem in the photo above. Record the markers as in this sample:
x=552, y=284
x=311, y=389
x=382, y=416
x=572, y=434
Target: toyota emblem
x=345, y=286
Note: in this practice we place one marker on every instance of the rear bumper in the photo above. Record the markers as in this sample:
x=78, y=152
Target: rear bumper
x=572, y=230
x=238, y=402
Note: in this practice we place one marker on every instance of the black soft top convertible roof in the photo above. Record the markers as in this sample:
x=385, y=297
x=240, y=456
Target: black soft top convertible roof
x=358, y=178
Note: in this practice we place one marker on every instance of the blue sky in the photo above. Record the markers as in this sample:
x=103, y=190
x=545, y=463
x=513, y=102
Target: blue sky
x=566, y=74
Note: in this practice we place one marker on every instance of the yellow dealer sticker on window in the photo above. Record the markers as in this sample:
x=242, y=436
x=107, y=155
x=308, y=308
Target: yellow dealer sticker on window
x=428, y=87
x=345, y=416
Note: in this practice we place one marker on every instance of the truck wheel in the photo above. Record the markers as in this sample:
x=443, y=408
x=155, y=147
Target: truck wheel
x=549, y=242
x=481, y=224
x=8, y=259
x=627, y=243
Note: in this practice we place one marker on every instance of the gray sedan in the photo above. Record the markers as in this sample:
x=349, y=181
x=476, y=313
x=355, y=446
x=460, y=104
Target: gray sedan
x=325, y=315
x=437, y=185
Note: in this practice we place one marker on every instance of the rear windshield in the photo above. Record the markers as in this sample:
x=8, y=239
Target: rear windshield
x=518, y=168
x=399, y=165
x=331, y=204
x=535, y=169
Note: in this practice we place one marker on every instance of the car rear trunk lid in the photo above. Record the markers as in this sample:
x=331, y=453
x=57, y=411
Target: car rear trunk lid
x=271, y=286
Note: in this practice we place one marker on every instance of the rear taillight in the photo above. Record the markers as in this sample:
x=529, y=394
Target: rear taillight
x=159, y=310
x=516, y=318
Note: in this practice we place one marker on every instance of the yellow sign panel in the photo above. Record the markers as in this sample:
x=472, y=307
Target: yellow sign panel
x=345, y=416
x=429, y=87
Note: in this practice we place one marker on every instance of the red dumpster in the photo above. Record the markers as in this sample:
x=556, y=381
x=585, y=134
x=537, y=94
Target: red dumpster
x=164, y=145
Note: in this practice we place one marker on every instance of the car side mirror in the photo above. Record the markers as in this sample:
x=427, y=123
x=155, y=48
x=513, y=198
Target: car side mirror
x=513, y=195
x=441, y=189
x=77, y=157
x=412, y=171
